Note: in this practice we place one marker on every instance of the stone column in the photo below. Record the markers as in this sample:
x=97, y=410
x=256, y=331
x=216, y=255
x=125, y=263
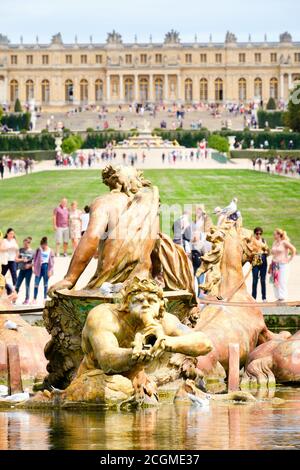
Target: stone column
x=281, y=86
x=151, y=95
x=136, y=88
x=121, y=82
x=166, y=86
x=290, y=81
x=179, y=98
x=108, y=88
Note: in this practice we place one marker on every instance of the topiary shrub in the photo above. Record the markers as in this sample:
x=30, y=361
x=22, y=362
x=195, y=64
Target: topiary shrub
x=292, y=118
x=71, y=144
x=219, y=143
x=18, y=107
x=271, y=104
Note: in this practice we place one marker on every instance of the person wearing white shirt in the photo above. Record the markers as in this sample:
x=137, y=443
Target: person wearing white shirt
x=85, y=217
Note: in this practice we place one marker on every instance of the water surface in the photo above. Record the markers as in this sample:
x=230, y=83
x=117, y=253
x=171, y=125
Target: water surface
x=261, y=425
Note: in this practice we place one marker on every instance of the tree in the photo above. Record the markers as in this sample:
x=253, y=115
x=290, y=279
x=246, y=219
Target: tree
x=219, y=143
x=1, y=113
x=71, y=143
x=292, y=118
x=271, y=104
x=18, y=107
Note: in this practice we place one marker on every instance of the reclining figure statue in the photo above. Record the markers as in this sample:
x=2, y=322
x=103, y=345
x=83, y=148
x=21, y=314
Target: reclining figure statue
x=128, y=347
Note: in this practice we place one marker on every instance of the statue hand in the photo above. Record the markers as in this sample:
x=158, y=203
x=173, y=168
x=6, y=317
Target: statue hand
x=63, y=284
x=159, y=347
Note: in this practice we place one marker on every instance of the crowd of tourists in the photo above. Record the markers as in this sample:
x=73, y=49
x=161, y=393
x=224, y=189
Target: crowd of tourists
x=190, y=231
x=24, y=262
x=278, y=165
x=15, y=166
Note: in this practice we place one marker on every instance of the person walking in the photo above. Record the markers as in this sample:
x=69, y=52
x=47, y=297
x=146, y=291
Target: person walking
x=282, y=254
x=61, y=226
x=43, y=264
x=9, y=250
x=1, y=168
x=260, y=264
x=183, y=231
x=25, y=260
x=202, y=222
x=75, y=224
x=85, y=218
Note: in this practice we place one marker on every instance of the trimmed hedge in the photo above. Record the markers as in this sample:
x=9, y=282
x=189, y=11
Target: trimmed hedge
x=102, y=138
x=277, y=140
x=264, y=153
x=17, y=121
x=274, y=119
x=188, y=138
x=25, y=142
x=37, y=155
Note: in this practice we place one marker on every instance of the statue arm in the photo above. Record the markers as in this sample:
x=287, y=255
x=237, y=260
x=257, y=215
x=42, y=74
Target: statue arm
x=86, y=248
x=182, y=339
x=110, y=357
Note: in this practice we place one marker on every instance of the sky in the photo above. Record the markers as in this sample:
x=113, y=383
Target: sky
x=31, y=18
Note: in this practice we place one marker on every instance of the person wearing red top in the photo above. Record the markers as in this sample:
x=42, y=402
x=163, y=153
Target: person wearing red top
x=61, y=226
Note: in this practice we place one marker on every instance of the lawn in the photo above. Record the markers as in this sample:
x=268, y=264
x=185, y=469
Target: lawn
x=27, y=202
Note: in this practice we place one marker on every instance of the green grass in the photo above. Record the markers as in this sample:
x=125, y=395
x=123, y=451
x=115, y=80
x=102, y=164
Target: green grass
x=27, y=202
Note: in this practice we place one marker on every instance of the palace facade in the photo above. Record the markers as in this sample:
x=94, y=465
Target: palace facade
x=60, y=76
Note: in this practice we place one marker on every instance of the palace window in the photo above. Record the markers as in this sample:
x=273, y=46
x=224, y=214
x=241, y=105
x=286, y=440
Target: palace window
x=69, y=91
x=29, y=59
x=159, y=89
x=257, y=57
x=14, y=60
x=98, y=59
x=69, y=59
x=45, y=59
x=242, y=89
x=84, y=91
x=45, y=91
x=258, y=88
x=203, y=58
x=129, y=96
x=242, y=58
x=83, y=59
x=158, y=58
x=273, y=57
x=29, y=90
x=203, y=89
x=219, y=92
x=115, y=86
x=218, y=58
x=14, y=90
x=98, y=90
x=143, y=58
x=188, y=58
x=188, y=90
x=128, y=59
x=274, y=88
x=144, y=89
x=297, y=57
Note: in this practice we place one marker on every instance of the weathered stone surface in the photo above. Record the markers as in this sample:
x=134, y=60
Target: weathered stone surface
x=97, y=387
x=14, y=369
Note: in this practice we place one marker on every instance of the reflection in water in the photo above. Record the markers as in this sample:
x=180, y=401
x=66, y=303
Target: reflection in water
x=262, y=425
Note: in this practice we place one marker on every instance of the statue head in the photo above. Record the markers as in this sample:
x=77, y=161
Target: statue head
x=143, y=297
x=57, y=39
x=172, y=37
x=124, y=179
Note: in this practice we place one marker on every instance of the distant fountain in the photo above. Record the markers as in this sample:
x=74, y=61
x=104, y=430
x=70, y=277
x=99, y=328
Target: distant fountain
x=144, y=139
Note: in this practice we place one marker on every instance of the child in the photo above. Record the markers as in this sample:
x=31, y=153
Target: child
x=43, y=264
